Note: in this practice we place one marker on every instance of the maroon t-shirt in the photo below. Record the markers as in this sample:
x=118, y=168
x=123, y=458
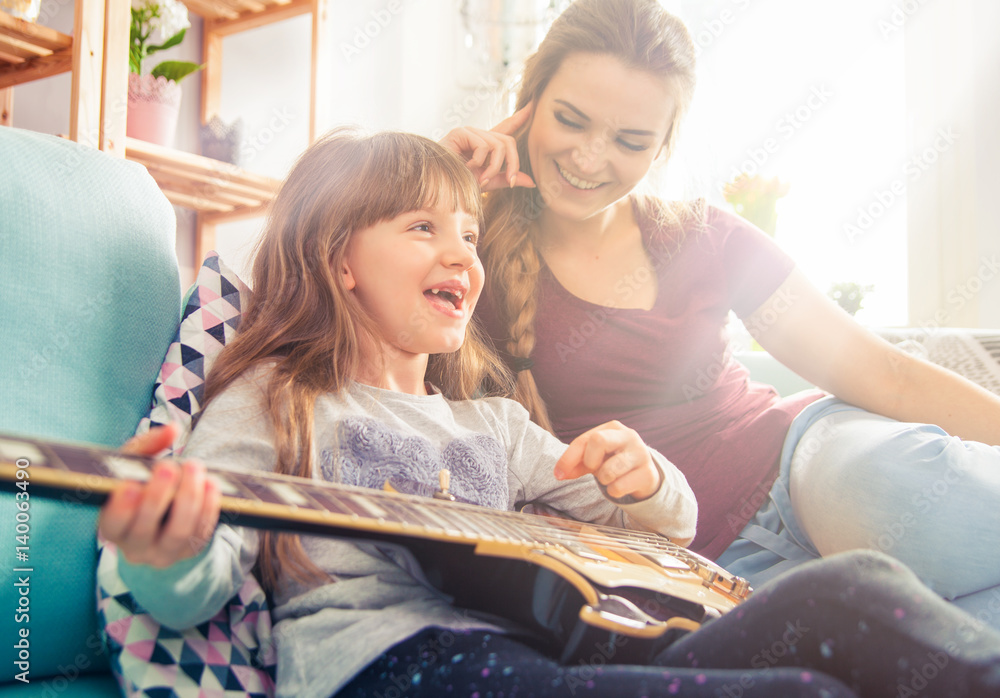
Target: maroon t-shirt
x=667, y=372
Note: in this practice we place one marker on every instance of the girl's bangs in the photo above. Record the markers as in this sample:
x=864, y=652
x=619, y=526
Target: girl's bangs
x=409, y=173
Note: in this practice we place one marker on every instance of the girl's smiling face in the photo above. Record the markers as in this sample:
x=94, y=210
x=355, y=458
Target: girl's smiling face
x=418, y=276
x=596, y=130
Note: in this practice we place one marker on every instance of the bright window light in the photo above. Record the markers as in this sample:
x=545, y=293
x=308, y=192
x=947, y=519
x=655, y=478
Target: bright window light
x=812, y=94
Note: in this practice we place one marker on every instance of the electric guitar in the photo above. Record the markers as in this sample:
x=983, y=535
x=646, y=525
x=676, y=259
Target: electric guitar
x=573, y=585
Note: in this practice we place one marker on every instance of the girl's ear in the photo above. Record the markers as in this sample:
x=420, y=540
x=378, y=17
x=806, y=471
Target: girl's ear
x=348, y=276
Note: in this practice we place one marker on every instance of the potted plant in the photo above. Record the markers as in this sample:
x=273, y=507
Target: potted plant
x=27, y=10
x=154, y=99
x=756, y=199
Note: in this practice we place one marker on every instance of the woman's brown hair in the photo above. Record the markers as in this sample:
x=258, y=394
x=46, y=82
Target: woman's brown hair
x=642, y=35
x=301, y=321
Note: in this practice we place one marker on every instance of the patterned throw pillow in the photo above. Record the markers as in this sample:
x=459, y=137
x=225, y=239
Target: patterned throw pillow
x=209, y=320
x=233, y=653
x=229, y=656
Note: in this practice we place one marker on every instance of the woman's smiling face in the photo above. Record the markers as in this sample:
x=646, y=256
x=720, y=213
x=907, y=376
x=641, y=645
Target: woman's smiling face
x=596, y=130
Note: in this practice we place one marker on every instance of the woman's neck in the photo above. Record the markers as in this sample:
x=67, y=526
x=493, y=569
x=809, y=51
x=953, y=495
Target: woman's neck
x=592, y=234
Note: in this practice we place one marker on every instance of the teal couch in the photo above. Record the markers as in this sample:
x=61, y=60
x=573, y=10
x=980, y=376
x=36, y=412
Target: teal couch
x=89, y=301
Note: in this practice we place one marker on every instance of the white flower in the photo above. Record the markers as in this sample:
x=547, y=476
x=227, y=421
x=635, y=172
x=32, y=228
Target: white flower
x=172, y=17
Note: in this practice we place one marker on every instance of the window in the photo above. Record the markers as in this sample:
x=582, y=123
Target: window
x=814, y=94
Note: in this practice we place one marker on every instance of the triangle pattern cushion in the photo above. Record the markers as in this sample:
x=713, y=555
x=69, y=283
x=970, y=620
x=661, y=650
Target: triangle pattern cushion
x=232, y=654
x=209, y=320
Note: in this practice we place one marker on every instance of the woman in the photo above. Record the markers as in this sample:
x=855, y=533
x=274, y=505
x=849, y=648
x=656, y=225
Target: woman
x=610, y=304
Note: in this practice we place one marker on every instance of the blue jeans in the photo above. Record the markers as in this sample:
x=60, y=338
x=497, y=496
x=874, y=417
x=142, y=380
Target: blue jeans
x=851, y=479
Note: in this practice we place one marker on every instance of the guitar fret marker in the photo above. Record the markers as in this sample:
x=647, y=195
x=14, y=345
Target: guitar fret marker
x=126, y=468
x=369, y=506
x=15, y=450
x=226, y=486
x=289, y=494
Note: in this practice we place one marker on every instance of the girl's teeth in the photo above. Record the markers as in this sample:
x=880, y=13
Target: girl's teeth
x=457, y=294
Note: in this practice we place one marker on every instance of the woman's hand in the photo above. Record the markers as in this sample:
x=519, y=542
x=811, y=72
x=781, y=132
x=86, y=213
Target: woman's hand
x=167, y=519
x=616, y=456
x=487, y=152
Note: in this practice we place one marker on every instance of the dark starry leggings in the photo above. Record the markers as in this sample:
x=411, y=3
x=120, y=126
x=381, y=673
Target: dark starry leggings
x=853, y=624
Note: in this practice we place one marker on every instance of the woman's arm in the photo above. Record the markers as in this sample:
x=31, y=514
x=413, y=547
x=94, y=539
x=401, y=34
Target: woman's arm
x=814, y=337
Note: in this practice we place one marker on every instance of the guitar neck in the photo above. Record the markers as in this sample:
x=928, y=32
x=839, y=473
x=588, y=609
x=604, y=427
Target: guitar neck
x=86, y=474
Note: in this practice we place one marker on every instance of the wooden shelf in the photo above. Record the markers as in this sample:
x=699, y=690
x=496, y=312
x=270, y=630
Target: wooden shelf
x=231, y=16
x=97, y=57
x=30, y=51
x=222, y=190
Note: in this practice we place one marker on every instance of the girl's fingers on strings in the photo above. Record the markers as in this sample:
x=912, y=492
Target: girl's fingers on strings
x=119, y=511
x=209, y=518
x=152, y=442
x=157, y=496
x=177, y=538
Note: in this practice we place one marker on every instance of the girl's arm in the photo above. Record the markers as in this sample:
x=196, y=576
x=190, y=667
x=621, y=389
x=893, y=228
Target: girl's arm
x=814, y=337
x=632, y=485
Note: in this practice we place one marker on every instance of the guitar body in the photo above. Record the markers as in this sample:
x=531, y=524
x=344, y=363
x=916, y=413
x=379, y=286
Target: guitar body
x=545, y=603
x=579, y=590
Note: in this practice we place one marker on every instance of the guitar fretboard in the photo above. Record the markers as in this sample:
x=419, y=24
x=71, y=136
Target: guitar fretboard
x=270, y=500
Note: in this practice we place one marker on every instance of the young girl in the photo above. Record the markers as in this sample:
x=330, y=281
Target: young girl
x=625, y=313
x=355, y=362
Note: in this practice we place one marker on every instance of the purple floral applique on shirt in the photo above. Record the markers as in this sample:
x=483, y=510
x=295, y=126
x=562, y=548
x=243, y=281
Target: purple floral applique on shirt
x=369, y=453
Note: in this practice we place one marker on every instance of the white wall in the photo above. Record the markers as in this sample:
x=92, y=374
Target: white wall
x=396, y=65
x=402, y=64
x=953, y=90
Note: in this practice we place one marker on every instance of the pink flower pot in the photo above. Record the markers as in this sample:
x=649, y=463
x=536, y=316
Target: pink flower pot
x=153, y=105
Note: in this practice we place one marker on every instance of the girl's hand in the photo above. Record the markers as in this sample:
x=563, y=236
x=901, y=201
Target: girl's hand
x=136, y=519
x=156, y=440
x=486, y=152
x=616, y=456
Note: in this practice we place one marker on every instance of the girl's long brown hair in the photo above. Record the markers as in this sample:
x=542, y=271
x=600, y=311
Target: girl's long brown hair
x=305, y=325
x=643, y=36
